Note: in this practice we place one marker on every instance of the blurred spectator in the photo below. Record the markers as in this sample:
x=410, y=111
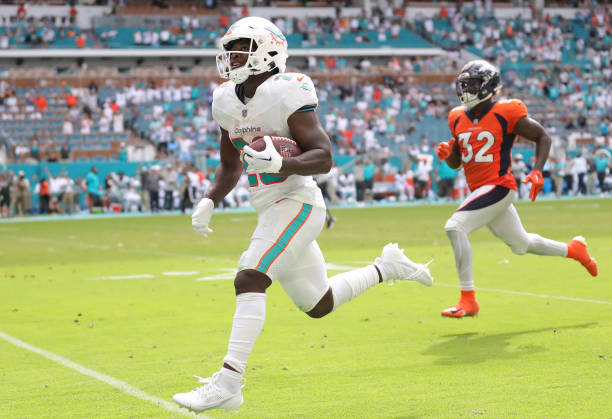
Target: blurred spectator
x=602, y=161
x=189, y=195
x=170, y=178
x=152, y=187
x=45, y=196
x=369, y=170
x=143, y=172
x=93, y=189
x=557, y=171
x=67, y=128
x=580, y=170
x=518, y=170
x=446, y=179
x=120, y=187
x=68, y=190
x=568, y=176
x=359, y=176
x=5, y=194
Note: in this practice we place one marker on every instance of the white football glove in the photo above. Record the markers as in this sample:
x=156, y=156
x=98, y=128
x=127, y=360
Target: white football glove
x=265, y=161
x=201, y=216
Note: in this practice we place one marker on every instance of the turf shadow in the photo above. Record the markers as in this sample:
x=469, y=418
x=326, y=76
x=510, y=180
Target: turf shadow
x=474, y=348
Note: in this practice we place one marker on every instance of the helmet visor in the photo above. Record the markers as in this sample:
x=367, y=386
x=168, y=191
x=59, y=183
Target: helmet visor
x=469, y=85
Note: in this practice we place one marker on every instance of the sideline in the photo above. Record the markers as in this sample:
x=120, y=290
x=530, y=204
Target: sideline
x=111, y=381
x=243, y=210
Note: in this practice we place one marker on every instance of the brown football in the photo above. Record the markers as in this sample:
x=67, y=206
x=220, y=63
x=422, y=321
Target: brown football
x=286, y=147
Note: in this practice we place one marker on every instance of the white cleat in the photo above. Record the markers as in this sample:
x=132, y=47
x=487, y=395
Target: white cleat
x=396, y=266
x=210, y=396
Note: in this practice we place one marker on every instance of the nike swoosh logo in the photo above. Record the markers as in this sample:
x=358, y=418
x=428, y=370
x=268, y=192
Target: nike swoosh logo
x=268, y=159
x=300, y=78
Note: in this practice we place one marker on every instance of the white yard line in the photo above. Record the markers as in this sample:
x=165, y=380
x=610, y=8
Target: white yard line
x=103, y=247
x=111, y=381
x=12, y=229
x=531, y=294
x=118, y=277
x=182, y=273
x=230, y=273
x=333, y=267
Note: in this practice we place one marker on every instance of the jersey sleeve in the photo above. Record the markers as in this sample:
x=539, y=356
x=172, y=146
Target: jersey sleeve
x=514, y=111
x=300, y=95
x=217, y=105
x=453, y=117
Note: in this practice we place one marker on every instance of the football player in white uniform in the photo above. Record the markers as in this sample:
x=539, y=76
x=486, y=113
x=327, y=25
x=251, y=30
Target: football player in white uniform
x=261, y=100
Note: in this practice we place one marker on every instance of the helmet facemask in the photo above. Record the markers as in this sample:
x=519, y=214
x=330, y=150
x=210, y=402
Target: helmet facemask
x=241, y=73
x=468, y=90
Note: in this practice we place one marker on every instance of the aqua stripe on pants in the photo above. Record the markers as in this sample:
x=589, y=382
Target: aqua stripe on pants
x=283, y=241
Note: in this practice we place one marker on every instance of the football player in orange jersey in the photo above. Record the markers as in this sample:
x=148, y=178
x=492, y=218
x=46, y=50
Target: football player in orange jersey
x=483, y=133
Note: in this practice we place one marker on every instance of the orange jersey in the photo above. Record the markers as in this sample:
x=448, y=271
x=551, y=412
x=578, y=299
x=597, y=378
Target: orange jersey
x=485, y=142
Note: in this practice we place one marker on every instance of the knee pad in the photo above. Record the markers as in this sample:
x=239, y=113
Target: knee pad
x=452, y=225
x=519, y=248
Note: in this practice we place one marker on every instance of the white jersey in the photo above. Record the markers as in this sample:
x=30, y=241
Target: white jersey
x=266, y=113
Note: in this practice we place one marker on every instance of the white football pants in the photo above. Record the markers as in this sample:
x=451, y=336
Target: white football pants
x=491, y=205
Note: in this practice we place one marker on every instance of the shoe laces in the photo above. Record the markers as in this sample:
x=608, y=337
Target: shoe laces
x=420, y=269
x=209, y=386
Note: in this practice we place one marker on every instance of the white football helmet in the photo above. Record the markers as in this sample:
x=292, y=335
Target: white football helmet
x=268, y=49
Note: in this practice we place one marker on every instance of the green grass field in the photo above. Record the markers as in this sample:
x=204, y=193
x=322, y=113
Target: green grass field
x=541, y=346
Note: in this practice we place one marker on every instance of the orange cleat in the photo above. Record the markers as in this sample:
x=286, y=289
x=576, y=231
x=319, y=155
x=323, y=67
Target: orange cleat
x=467, y=306
x=576, y=249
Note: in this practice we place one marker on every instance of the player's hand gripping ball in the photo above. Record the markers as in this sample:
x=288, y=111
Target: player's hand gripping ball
x=266, y=154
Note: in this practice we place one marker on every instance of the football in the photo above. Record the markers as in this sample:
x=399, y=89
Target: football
x=286, y=147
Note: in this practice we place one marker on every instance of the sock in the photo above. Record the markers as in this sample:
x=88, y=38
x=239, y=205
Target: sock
x=546, y=247
x=248, y=323
x=348, y=285
x=468, y=296
x=463, y=258
x=230, y=380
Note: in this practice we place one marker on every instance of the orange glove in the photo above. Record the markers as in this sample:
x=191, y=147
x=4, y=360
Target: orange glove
x=445, y=149
x=537, y=181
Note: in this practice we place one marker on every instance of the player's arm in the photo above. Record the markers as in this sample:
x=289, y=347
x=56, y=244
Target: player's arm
x=532, y=130
x=454, y=159
x=227, y=175
x=228, y=171
x=307, y=131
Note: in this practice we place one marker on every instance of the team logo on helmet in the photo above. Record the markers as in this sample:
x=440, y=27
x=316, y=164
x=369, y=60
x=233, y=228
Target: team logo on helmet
x=277, y=35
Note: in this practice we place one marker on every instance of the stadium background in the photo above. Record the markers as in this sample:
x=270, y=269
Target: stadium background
x=126, y=86
x=107, y=316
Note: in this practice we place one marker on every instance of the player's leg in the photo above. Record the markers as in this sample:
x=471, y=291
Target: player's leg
x=224, y=389
x=278, y=226
x=312, y=292
x=478, y=209
x=508, y=227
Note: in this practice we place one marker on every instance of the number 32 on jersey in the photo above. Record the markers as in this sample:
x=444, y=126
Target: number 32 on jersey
x=468, y=151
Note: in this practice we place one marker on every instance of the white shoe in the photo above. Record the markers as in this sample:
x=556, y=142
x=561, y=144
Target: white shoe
x=210, y=396
x=396, y=266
